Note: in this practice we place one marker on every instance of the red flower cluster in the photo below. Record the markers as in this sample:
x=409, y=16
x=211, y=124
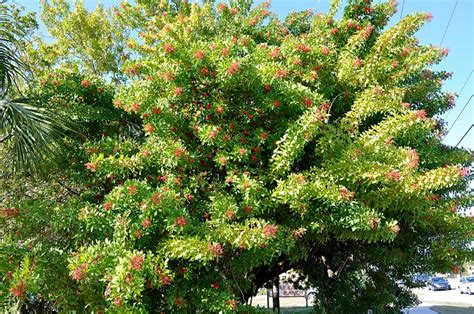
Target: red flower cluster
x=324, y=106
x=118, y=301
x=444, y=52
x=230, y=214
x=108, y=205
x=463, y=172
x=199, y=55
x=308, y=102
x=169, y=48
x=216, y=249
x=220, y=110
x=414, y=159
x=346, y=194
x=232, y=304
x=165, y=280
x=135, y=106
x=91, y=166
x=351, y=24
x=79, y=272
x=270, y=230
x=132, y=190
x=204, y=71
x=280, y=73
x=419, y=114
x=303, y=48
x=136, y=262
x=128, y=278
x=168, y=76
x=393, y=175
x=180, y=221
x=225, y=52
x=298, y=233
x=395, y=229
x=85, y=83
x=92, y=150
x=374, y=222
x=146, y=223
x=233, y=68
x=357, y=63
x=178, y=91
x=253, y=21
x=275, y=53
x=117, y=103
x=149, y=128
x=223, y=161
x=156, y=198
x=178, y=152
x=19, y=290
x=367, y=31
x=179, y=302
x=9, y=212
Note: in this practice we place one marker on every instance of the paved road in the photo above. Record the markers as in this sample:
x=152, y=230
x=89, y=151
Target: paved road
x=444, y=297
x=428, y=299
x=422, y=309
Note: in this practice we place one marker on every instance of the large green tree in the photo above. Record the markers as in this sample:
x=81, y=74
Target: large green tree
x=265, y=145
x=93, y=42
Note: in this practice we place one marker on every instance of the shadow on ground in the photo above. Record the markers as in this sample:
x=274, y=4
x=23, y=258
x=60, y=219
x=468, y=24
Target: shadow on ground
x=444, y=309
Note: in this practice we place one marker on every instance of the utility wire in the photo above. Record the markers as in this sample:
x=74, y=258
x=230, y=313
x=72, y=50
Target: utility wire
x=459, y=115
x=460, y=92
x=472, y=125
x=449, y=22
x=401, y=11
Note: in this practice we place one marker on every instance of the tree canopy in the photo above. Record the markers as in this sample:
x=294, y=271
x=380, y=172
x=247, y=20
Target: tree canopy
x=235, y=147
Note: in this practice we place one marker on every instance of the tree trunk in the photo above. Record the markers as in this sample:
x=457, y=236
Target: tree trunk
x=276, y=294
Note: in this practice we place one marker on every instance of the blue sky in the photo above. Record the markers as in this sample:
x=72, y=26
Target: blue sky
x=459, y=39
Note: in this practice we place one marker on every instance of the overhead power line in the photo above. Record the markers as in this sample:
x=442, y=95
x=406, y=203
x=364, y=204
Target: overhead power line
x=459, y=115
x=401, y=11
x=449, y=22
x=460, y=92
x=472, y=125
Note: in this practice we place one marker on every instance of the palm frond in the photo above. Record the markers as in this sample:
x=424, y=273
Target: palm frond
x=13, y=34
x=29, y=132
x=12, y=68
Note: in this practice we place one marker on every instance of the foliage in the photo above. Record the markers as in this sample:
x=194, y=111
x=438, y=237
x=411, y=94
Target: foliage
x=94, y=42
x=27, y=132
x=262, y=146
x=14, y=29
x=40, y=216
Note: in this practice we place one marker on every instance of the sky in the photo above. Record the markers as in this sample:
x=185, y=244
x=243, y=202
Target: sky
x=452, y=27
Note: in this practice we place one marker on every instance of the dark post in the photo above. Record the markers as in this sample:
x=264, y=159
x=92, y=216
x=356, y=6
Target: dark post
x=268, y=298
x=276, y=294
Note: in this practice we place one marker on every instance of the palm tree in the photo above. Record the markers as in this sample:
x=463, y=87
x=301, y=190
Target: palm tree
x=27, y=131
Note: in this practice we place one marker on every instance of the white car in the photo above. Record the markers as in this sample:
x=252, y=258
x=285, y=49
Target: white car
x=466, y=284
